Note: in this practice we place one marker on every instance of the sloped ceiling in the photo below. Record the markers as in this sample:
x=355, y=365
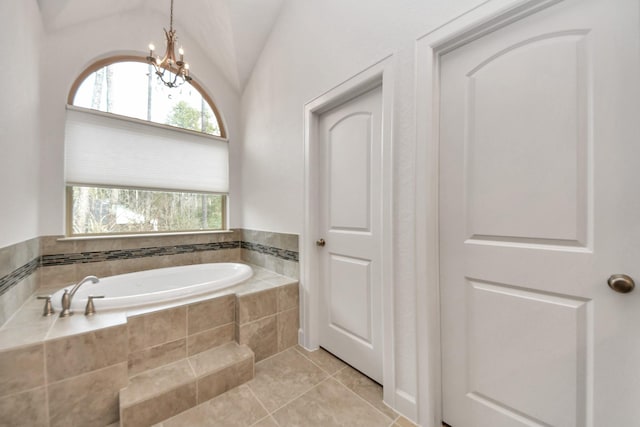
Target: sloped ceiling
x=239, y=28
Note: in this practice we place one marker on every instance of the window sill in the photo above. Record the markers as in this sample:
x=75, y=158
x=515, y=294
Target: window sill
x=139, y=235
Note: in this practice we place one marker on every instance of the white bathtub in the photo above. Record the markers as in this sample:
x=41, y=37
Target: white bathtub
x=162, y=285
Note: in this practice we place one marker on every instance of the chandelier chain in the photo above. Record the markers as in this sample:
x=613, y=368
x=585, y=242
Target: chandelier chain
x=171, y=17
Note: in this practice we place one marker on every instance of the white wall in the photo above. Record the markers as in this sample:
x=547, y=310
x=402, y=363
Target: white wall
x=315, y=46
x=68, y=51
x=20, y=32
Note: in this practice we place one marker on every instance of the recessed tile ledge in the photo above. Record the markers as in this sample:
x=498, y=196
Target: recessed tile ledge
x=28, y=327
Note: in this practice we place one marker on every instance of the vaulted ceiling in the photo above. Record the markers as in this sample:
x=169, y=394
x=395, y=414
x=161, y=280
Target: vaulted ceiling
x=239, y=27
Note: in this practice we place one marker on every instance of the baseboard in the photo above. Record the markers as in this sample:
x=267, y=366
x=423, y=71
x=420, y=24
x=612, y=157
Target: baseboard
x=406, y=405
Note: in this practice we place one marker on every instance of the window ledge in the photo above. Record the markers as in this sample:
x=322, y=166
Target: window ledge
x=138, y=235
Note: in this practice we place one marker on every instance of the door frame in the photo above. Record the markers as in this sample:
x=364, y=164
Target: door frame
x=379, y=74
x=483, y=19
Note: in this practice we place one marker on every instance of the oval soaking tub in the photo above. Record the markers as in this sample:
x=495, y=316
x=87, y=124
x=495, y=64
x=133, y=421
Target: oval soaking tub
x=161, y=285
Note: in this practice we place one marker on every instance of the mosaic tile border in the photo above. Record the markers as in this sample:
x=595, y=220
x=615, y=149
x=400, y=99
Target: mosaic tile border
x=270, y=250
x=120, y=254
x=19, y=274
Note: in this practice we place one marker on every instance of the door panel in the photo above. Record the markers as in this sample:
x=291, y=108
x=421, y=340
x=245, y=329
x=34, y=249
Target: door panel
x=538, y=207
x=522, y=114
x=350, y=297
x=350, y=172
x=512, y=325
x=350, y=196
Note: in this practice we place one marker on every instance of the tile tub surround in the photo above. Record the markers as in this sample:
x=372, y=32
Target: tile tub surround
x=274, y=251
x=268, y=321
x=68, y=379
x=45, y=359
x=18, y=275
x=165, y=336
x=55, y=261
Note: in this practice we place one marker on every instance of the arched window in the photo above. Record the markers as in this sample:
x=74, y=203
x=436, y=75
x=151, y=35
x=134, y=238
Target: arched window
x=140, y=157
x=128, y=86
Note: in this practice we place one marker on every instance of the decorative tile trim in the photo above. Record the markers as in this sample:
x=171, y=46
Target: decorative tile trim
x=270, y=250
x=118, y=254
x=121, y=254
x=17, y=275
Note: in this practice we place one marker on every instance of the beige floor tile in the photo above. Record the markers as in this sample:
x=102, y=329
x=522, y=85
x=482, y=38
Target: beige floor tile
x=284, y=377
x=403, y=422
x=266, y=422
x=329, y=404
x=237, y=407
x=366, y=388
x=323, y=359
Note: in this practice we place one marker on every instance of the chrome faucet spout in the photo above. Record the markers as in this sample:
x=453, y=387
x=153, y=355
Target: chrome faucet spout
x=68, y=295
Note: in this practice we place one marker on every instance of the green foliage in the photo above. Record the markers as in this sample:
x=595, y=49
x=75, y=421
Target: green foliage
x=111, y=210
x=184, y=116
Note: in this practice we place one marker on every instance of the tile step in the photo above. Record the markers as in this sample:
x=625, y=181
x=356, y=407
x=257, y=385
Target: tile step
x=155, y=395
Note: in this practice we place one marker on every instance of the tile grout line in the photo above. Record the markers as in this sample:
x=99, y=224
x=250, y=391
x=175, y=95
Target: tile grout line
x=268, y=416
x=300, y=395
x=317, y=365
x=272, y=356
x=262, y=405
x=261, y=318
x=195, y=379
x=365, y=400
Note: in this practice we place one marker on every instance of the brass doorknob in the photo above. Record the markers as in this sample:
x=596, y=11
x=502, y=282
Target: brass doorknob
x=321, y=242
x=621, y=283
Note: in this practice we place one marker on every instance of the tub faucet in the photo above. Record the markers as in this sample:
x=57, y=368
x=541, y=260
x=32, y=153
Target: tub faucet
x=68, y=295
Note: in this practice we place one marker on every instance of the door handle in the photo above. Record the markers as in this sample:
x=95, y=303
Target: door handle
x=320, y=242
x=621, y=283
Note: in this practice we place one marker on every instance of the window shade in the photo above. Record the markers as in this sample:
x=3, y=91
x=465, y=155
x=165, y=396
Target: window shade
x=101, y=149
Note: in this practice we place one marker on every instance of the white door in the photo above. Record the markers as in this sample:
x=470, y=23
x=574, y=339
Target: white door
x=539, y=206
x=350, y=225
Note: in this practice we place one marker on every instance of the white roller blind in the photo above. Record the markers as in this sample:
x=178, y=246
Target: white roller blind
x=101, y=149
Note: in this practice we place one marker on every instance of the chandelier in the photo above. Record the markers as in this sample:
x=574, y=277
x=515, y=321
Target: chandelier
x=171, y=71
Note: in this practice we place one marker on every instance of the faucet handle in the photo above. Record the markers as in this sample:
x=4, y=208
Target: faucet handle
x=90, y=309
x=48, y=308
